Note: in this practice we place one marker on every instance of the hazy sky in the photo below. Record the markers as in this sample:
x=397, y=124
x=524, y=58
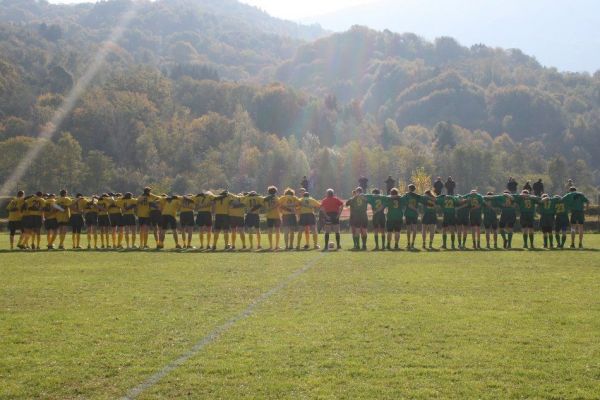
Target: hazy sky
x=298, y=10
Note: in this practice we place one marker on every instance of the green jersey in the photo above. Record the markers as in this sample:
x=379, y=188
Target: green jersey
x=489, y=212
x=448, y=203
x=377, y=202
x=502, y=201
x=560, y=206
x=358, y=205
x=429, y=204
x=575, y=201
x=526, y=203
x=475, y=202
x=412, y=202
x=463, y=211
x=395, y=206
x=547, y=207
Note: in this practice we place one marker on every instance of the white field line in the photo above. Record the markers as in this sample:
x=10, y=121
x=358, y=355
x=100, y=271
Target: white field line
x=218, y=331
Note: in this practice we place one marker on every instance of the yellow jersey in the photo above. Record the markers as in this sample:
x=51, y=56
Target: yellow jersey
x=171, y=206
x=288, y=204
x=271, y=205
x=128, y=206
x=253, y=204
x=155, y=203
x=222, y=204
x=50, y=212
x=114, y=206
x=143, y=205
x=188, y=204
x=78, y=206
x=14, y=209
x=91, y=206
x=237, y=208
x=103, y=205
x=308, y=205
x=35, y=205
x=65, y=203
x=204, y=203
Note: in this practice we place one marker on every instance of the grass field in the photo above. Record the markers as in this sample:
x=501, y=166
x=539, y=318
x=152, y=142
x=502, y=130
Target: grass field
x=300, y=325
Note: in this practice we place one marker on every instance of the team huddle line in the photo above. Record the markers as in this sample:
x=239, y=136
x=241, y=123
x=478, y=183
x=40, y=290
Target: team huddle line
x=118, y=219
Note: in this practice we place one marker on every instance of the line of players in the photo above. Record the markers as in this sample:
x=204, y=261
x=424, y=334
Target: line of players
x=116, y=218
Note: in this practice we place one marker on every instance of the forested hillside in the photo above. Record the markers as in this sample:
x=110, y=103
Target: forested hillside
x=211, y=94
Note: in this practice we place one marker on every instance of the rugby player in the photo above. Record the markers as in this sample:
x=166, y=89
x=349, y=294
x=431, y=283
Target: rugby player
x=51, y=210
x=359, y=220
x=462, y=222
x=237, y=210
x=577, y=203
x=170, y=207
x=76, y=220
x=561, y=223
x=104, y=220
x=143, y=210
x=90, y=215
x=186, y=220
x=222, y=204
x=253, y=204
x=411, y=215
x=63, y=217
x=429, y=220
x=129, y=205
x=377, y=203
x=116, y=219
x=15, y=217
x=490, y=222
x=395, y=205
x=547, y=210
x=526, y=204
x=475, y=202
x=448, y=204
x=289, y=205
x=308, y=222
x=204, y=220
x=34, y=206
x=271, y=204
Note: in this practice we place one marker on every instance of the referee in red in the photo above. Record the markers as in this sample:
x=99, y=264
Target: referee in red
x=332, y=206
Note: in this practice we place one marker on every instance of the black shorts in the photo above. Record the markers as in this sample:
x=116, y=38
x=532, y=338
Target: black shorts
x=307, y=220
x=116, y=220
x=394, y=225
x=155, y=218
x=360, y=221
x=76, y=223
x=289, y=221
x=527, y=220
x=490, y=223
x=236, y=222
x=34, y=222
x=449, y=220
x=252, y=221
x=547, y=223
x=507, y=220
x=221, y=222
x=475, y=219
x=103, y=220
x=204, y=219
x=128, y=220
x=273, y=222
x=577, y=218
x=411, y=220
x=462, y=219
x=168, y=222
x=332, y=218
x=561, y=224
x=186, y=219
x=144, y=221
x=14, y=226
x=379, y=220
x=51, y=224
x=91, y=219
x=429, y=218
x=63, y=223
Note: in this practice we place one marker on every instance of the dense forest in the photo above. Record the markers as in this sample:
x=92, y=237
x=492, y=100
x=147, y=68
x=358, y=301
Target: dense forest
x=203, y=94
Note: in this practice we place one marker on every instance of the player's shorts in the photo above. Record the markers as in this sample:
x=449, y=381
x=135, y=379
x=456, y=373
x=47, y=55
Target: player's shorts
x=51, y=224
x=155, y=218
x=307, y=220
x=507, y=220
x=14, y=226
x=475, y=219
x=204, y=219
x=561, y=224
x=429, y=218
x=103, y=220
x=116, y=220
x=129, y=220
x=168, y=222
x=63, y=223
x=547, y=223
x=76, y=223
x=221, y=222
x=35, y=221
x=144, y=221
x=490, y=223
x=236, y=222
x=289, y=221
x=358, y=221
x=379, y=220
x=273, y=222
x=333, y=218
x=394, y=225
x=462, y=219
x=91, y=219
x=449, y=220
x=577, y=218
x=252, y=221
x=411, y=220
x=186, y=219
x=527, y=220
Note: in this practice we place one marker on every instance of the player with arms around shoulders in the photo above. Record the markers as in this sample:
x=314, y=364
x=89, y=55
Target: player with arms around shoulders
x=204, y=218
x=308, y=221
x=186, y=220
x=359, y=221
x=271, y=205
x=170, y=207
x=411, y=215
x=577, y=203
x=15, y=217
x=253, y=204
x=63, y=217
x=104, y=220
x=90, y=215
x=547, y=210
x=34, y=206
x=395, y=205
x=332, y=207
x=448, y=204
x=51, y=209
x=237, y=210
x=561, y=222
x=143, y=210
x=221, y=204
x=378, y=206
x=526, y=204
x=429, y=220
x=76, y=220
x=475, y=202
x=289, y=205
x=490, y=222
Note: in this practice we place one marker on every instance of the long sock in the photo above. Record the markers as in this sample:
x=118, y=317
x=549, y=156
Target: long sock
x=510, y=236
x=120, y=239
x=525, y=239
x=382, y=240
x=315, y=239
x=376, y=240
x=364, y=240
x=356, y=240
x=327, y=240
x=444, y=239
x=531, y=239
x=557, y=236
x=545, y=240
x=337, y=239
x=551, y=240
x=452, y=238
x=564, y=239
